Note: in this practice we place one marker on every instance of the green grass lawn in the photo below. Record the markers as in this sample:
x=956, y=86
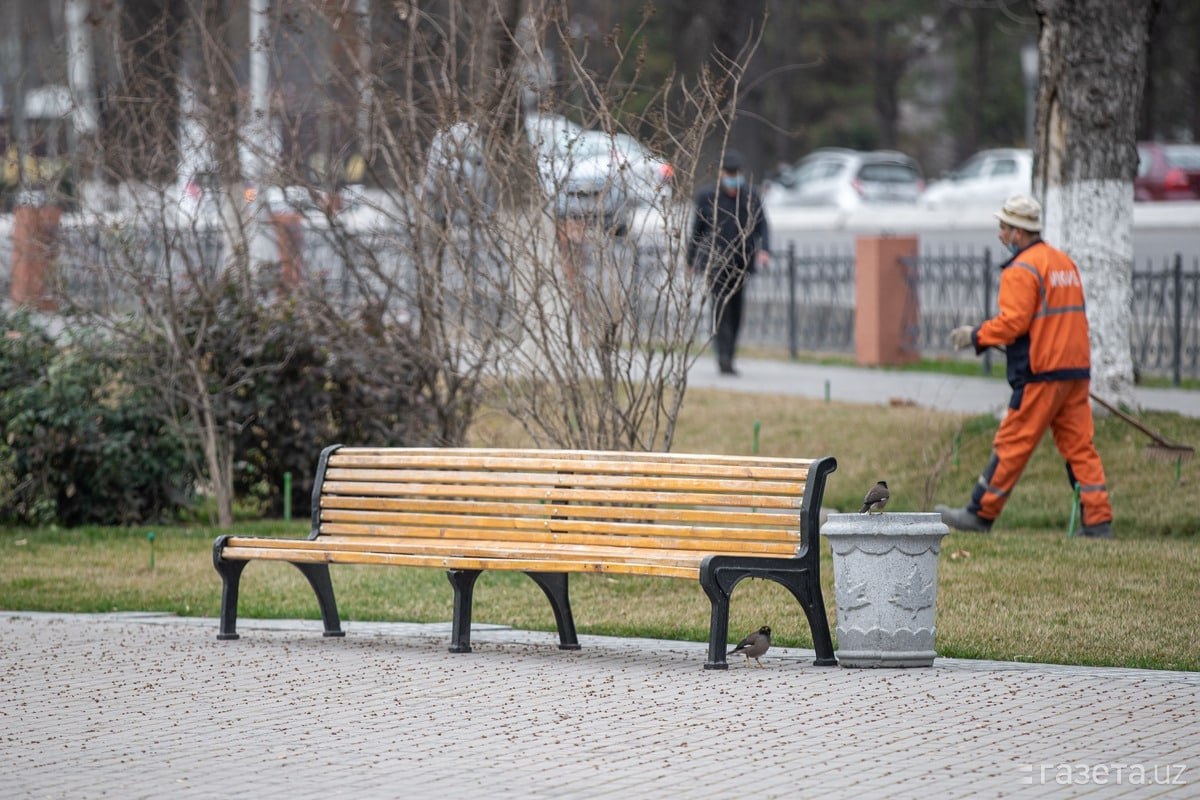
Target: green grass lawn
x=1024, y=592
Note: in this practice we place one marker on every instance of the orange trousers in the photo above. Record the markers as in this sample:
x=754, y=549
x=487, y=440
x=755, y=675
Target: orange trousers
x=1061, y=406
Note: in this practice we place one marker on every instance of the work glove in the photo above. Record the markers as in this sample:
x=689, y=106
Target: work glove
x=960, y=337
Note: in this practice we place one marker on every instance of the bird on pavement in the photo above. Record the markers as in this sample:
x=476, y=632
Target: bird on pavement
x=754, y=645
x=876, y=499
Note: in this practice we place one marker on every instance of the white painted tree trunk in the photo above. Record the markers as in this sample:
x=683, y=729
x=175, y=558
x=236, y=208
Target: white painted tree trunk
x=1092, y=56
x=84, y=115
x=1092, y=221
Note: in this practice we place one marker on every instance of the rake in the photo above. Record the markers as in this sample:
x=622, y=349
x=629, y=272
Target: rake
x=1160, y=448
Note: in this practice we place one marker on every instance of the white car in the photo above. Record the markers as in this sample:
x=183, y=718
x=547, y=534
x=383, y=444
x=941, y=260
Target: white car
x=646, y=178
x=578, y=182
x=456, y=182
x=987, y=178
x=590, y=174
x=835, y=177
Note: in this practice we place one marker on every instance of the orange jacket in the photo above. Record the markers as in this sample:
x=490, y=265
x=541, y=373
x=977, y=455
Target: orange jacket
x=1042, y=319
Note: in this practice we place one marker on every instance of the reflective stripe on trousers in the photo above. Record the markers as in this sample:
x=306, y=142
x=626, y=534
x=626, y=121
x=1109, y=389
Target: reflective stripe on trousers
x=1063, y=408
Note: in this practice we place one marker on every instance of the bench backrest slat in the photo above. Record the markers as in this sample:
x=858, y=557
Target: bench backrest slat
x=725, y=483
x=425, y=497
x=697, y=517
x=593, y=460
x=594, y=537
x=646, y=496
x=369, y=524
x=558, y=544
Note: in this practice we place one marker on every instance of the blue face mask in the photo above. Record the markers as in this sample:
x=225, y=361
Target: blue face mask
x=1014, y=248
x=731, y=183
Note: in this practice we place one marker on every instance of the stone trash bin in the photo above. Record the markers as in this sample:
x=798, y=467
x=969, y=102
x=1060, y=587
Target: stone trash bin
x=885, y=582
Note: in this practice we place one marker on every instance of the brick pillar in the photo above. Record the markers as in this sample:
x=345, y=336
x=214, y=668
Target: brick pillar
x=35, y=234
x=289, y=237
x=887, y=313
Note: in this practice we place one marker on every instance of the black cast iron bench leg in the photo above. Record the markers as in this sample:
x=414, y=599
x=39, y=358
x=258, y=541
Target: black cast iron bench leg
x=809, y=596
x=718, y=626
x=463, y=581
x=554, y=585
x=231, y=574
x=322, y=586
x=720, y=574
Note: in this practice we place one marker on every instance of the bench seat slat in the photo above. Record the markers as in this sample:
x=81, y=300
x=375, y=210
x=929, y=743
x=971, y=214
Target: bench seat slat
x=698, y=516
x=448, y=562
x=559, y=494
x=505, y=550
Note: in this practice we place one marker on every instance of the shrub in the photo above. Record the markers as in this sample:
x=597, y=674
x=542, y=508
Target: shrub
x=289, y=378
x=76, y=445
x=337, y=382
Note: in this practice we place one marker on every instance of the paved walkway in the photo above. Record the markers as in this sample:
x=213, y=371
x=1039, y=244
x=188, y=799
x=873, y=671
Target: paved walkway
x=146, y=705
x=153, y=706
x=861, y=385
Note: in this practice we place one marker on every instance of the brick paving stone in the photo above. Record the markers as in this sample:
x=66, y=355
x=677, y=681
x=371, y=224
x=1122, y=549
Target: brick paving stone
x=151, y=705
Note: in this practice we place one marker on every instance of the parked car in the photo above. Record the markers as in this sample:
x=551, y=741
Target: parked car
x=579, y=176
x=456, y=181
x=646, y=178
x=847, y=179
x=1167, y=172
x=987, y=178
x=585, y=174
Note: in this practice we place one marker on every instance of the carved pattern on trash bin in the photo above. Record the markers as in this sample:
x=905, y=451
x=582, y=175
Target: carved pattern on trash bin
x=913, y=594
x=852, y=597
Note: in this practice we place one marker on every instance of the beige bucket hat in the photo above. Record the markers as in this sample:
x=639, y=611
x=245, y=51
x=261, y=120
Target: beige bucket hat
x=1021, y=211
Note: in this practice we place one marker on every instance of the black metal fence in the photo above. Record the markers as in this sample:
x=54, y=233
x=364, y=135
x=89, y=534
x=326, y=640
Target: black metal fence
x=1166, y=319
x=804, y=302
x=808, y=303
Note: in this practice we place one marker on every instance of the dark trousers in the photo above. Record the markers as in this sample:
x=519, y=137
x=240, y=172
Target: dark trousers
x=727, y=320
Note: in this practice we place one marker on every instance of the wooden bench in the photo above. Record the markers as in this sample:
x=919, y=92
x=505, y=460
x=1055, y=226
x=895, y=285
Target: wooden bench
x=549, y=513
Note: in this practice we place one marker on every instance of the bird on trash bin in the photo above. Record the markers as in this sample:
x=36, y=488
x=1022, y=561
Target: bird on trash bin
x=876, y=499
x=754, y=645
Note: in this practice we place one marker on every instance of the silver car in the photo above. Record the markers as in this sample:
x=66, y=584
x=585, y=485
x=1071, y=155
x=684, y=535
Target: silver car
x=987, y=178
x=456, y=185
x=579, y=173
x=836, y=177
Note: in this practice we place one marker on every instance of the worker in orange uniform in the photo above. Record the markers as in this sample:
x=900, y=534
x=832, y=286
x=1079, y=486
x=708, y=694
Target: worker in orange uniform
x=1043, y=325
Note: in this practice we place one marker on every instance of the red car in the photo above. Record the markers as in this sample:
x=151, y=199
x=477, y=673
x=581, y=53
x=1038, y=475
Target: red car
x=1167, y=172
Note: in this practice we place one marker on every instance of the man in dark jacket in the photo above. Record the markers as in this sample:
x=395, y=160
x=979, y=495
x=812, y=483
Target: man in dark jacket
x=729, y=239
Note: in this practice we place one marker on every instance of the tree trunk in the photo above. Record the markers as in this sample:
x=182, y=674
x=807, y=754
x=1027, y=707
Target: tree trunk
x=218, y=452
x=887, y=72
x=1092, y=69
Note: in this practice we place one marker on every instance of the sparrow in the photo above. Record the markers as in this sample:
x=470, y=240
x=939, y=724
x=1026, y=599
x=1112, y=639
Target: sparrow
x=876, y=499
x=754, y=645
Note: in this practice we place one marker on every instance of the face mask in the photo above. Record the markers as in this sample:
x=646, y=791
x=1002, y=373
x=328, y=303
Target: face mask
x=732, y=182
x=1014, y=248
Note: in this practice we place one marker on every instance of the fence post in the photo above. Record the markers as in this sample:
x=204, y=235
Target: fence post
x=1177, y=334
x=987, y=304
x=793, y=327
